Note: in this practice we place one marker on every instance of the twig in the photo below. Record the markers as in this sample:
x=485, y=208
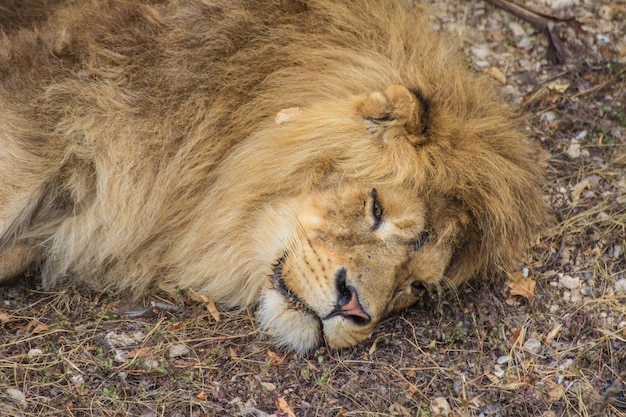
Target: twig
x=600, y=86
x=552, y=26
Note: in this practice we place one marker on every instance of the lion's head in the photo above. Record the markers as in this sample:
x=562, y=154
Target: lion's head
x=378, y=224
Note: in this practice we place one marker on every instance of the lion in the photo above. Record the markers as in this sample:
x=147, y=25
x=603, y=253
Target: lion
x=326, y=162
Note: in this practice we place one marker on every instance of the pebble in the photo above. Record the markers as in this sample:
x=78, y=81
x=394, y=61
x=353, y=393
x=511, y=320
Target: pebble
x=569, y=282
x=573, y=151
x=16, y=395
x=150, y=364
x=517, y=29
x=561, y=4
x=77, y=380
x=606, y=12
x=503, y=359
x=575, y=295
x=532, y=346
x=176, y=351
x=440, y=407
x=33, y=353
x=481, y=52
x=115, y=340
x=602, y=38
x=548, y=117
x=620, y=286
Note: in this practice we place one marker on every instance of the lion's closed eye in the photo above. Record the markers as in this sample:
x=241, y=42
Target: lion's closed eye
x=377, y=209
x=421, y=240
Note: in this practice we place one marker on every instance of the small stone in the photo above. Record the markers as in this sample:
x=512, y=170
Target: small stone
x=496, y=74
x=585, y=290
x=77, y=380
x=176, y=351
x=569, y=282
x=150, y=364
x=481, y=52
x=600, y=38
x=561, y=4
x=575, y=295
x=573, y=151
x=532, y=346
x=503, y=359
x=16, y=395
x=268, y=386
x=620, y=286
x=33, y=353
x=115, y=340
x=440, y=407
x=517, y=30
x=548, y=117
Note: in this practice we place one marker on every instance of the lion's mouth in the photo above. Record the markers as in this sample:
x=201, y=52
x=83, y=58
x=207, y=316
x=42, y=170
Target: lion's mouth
x=279, y=285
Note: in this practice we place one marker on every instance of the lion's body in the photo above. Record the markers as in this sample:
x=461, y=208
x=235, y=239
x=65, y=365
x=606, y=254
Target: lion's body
x=139, y=150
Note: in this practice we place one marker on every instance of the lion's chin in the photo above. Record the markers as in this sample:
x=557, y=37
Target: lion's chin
x=294, y=328
x=298, y=328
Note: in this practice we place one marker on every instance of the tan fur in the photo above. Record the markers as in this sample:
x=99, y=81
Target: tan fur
x=139, y=151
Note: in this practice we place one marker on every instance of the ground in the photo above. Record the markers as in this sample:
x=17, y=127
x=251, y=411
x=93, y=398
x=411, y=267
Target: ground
x=549, y=340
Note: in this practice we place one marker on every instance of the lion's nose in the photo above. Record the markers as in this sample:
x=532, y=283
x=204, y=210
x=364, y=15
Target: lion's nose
x=348, y=304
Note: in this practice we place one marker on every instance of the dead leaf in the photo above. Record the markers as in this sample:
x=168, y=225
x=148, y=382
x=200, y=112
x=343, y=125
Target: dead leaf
x=556, y=393
x=513, y=386
x=555, y=330
x=579, y=188
x=287, y=114
x=275, y=359
x=543, y=158
x=496, y=73
x=373, y=348
x=284, y=408
x=521, y=285
x=268, y=386
x=413, y=389
x=558, y=86
x=197, y=297
x=137, y=353
x=397, y=409
x=494, y=379
x=202, y=395
x=516, y=336
x=4, y=317
x=210, y=305
x=38, y=327
x=233, y=354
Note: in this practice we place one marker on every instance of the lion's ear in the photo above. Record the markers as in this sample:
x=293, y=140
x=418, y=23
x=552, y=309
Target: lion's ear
x=396, y=108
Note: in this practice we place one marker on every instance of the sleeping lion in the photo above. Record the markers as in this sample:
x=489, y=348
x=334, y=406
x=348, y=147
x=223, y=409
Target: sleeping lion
x=325, y=161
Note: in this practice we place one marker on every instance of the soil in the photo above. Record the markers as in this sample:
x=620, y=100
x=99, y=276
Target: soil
x=549, y=340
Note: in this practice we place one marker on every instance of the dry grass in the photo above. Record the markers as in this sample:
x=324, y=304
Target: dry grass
x=481, y=352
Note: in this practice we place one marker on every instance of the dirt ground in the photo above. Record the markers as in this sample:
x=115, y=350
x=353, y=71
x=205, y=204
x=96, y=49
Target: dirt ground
x=548, y=341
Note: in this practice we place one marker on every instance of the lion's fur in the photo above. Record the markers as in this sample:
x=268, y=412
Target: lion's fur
x=138, y=148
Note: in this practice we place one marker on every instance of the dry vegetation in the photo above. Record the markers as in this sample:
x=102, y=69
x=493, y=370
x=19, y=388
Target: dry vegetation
x=551, y=341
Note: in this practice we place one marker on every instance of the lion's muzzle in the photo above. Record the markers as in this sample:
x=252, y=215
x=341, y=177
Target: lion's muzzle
x=348, y=304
